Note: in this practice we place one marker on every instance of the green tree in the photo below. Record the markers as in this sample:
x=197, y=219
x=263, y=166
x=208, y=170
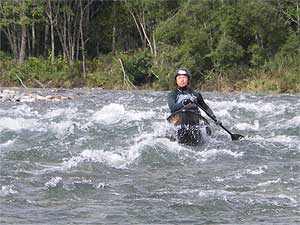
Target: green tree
x=228, y=53
x=15, y=17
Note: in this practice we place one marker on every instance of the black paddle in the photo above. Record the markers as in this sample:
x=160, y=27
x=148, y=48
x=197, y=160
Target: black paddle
x=234, y=137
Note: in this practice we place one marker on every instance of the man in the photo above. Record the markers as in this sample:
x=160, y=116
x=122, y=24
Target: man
x=183, y=96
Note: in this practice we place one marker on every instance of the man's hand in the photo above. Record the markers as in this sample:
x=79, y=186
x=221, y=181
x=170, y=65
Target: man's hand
x=214, y=117
x=186, y=101
x=217, y=122
x=193, y=99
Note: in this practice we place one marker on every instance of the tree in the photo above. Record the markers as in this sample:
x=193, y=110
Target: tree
x=146, y=14
x=291, y=11
x=16, y=16
x=69, y=17
x=51, y=21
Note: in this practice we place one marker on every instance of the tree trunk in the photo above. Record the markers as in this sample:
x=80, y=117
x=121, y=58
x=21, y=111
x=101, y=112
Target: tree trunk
x=51, y=21
x=0, y=38
x=52, y=42
x=23, y=44
x=298, y=18
x=11, y=35
x=28, y=41
x=46, y=46
x=113, y=44
x=33, y=39
x=136, y=22
x=82, y=38
x=140, y=23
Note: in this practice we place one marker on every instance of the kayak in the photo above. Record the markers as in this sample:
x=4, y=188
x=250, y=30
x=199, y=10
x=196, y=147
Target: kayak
x=191, y=127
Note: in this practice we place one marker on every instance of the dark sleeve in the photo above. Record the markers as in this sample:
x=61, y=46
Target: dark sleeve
x=201, y=102
x=172, y=102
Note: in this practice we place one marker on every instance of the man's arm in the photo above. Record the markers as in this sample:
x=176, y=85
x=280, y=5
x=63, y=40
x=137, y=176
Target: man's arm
x=172, y=102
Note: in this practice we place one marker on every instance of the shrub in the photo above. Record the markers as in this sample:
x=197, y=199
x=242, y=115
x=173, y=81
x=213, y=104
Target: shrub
x=138, y=65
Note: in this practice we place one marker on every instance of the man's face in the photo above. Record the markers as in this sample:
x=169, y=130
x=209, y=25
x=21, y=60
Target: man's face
x=182, y=80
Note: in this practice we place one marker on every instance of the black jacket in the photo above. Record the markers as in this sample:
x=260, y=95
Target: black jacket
x=175, y=104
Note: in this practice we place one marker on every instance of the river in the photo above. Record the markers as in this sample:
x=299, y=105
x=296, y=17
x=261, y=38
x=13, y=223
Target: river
x=102, y=157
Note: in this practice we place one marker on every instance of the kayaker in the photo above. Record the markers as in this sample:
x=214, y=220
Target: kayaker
x=184, y=96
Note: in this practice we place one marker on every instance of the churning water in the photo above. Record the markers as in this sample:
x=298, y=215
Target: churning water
x=102, y=157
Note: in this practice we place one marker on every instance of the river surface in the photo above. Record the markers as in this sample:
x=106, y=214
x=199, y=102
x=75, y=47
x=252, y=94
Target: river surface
x=102, y=157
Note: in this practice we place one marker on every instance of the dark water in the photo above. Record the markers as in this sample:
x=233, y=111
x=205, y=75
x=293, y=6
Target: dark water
x=102, y=158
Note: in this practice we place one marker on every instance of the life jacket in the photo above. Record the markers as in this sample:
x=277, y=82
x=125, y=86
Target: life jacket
x=186, y=94
x=183, y=96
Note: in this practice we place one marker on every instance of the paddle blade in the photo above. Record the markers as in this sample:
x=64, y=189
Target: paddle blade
x=235, y=137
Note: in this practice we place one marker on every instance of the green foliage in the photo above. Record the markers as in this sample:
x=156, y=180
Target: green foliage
x=6, y=63
x=227, y=45
x=291, y=47
x=138, y=66
x=104, y=71
x=258, y=56
x=21, y=12
x=35, y=71
x=228, y=53
x=275, y=81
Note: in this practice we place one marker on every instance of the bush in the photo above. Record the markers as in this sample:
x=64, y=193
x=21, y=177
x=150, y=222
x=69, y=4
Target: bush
x=104, y=71
x=35, y=72
x=227, y=54
x=138, y=65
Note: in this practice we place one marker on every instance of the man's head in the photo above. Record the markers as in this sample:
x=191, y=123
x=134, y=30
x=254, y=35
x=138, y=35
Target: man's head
x=182, y=77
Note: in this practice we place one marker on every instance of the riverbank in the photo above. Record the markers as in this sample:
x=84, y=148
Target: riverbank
x=108, y=73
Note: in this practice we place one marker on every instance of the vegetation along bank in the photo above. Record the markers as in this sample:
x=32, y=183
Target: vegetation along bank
x=245, y=45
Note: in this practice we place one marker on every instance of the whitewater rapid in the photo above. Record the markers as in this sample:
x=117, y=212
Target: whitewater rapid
x=105, y=154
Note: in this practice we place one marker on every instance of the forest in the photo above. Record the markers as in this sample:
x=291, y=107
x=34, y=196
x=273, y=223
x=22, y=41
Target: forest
x=228, y=45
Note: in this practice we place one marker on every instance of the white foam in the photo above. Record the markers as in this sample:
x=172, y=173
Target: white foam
x=110, y=158
x=156, y=137
x=294, y=122
x=247, y=126
x=7, y=190
x=53, y=182
x=5, y=144
x=259, y=107
x=212, y=153
x=115, y=113
x=287, y=140
x=291, y=199
x=223, y=113
x=68, y=113
x=148, y=99
x=267, y=183
x=133, y=115
x=214, y=193
x=16, y=124
x=61, y=128
x=112, y=113
x=24, y=111
x=257, y=171
x=292, y=142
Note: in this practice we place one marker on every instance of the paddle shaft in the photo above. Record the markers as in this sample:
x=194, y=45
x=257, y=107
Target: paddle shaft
x=233, y=136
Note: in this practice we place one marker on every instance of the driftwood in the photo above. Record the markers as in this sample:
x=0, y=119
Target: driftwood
x=24, y=86
x=39, y=83
x=126, y=80
x=8, y=95
x=155, y=74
